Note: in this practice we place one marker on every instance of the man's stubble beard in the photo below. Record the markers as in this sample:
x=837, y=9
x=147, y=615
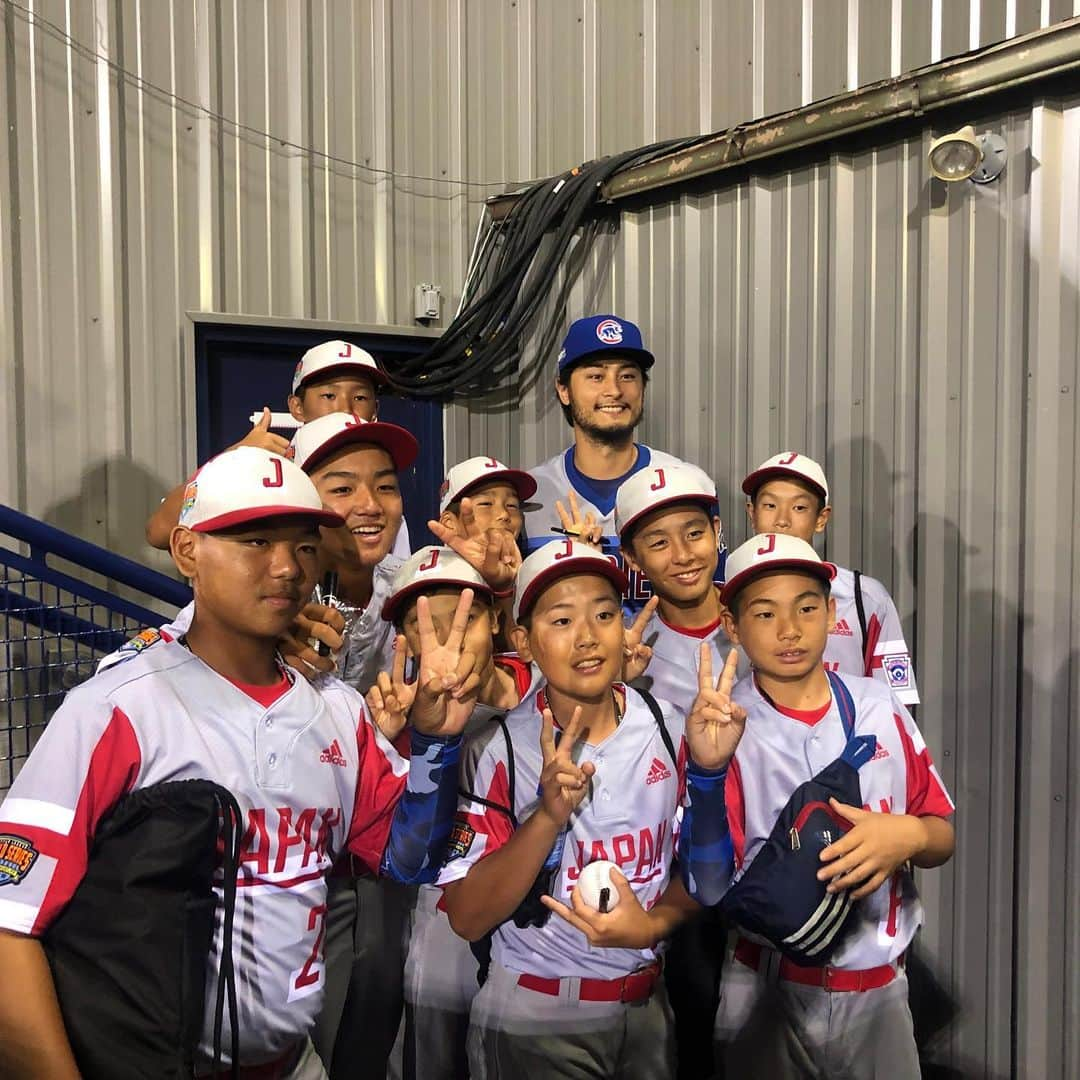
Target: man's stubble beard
x=609, y=436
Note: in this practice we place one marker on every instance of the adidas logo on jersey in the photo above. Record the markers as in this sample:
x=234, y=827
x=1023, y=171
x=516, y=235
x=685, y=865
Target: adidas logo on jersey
x=657, y=771
x=332, y=755
x=880, y=753
x=842, y=628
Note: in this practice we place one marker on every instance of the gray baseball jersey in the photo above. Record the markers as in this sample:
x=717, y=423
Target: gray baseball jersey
x=628, y=817
x=312, y=776
x=884, y=654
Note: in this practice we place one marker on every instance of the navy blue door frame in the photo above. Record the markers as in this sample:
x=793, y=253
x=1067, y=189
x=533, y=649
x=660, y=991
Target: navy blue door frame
x=240, y=367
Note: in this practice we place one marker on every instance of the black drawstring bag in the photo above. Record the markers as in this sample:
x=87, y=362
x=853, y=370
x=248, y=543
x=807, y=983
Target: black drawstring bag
x=129, y=953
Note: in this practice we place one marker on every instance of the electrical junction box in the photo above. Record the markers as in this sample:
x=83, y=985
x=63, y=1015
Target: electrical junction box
x=427, y=301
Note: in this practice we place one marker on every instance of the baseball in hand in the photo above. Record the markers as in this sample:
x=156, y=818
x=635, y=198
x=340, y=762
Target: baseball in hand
x=596, y=887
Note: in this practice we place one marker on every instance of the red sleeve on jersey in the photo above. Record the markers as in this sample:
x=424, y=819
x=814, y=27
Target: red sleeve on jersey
x=926, y=795
x=873, y=635
x=378, y=788
x=111, y=774
x=517, y=667
x=733, y=797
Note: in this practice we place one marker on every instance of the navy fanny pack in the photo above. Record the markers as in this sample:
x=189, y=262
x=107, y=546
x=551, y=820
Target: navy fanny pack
x=778, y=896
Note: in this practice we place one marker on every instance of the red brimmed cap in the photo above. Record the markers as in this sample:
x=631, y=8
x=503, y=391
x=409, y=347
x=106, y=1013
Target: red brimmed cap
x=478, y=472
x=767, y=552
x=432, y=568
x=250, y=484
x=559, y=559
x=318, y=439
x=791, y=466
x=336, y=357
x=658, y=486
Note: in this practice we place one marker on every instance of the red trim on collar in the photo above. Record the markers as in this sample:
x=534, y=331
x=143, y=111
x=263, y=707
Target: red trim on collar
x=700, y=632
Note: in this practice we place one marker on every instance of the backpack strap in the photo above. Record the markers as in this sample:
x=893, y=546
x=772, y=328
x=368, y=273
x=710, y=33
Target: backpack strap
x=510, y=777
x=658, y=716
x=860, y=609
x=858, y=749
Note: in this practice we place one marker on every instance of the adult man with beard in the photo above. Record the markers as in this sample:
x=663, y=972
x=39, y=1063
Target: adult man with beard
x=601, y=379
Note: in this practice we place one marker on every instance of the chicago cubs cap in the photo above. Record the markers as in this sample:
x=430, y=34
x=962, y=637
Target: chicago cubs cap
x=431, y=568
x=249, y=484
x=336, y=356
x=479, y=471
x=600, y=334
x=654, y=487
x=559, y=559
x=771, y=551
x=317, y=439
x=792, y=465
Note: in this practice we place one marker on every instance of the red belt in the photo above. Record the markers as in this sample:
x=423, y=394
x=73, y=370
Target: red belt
x=276, y=1069
x=828, y=978
x=637, y=986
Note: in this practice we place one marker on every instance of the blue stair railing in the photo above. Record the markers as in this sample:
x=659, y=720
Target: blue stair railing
x=55, y=626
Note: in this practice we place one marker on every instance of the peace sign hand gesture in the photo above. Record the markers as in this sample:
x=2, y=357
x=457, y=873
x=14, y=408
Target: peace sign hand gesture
x=585, y=530
x=448, y=680
x=636, y=654
x=492, y=553
x=391, y=697
x=563, y=784
x=715, y=723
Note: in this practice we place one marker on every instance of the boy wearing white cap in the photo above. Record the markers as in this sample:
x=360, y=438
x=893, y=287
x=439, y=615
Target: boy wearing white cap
x=441, y=971
x=310, y=774
x=584, y=770
x=334, y=376
x=779, y=1016
x=789, y=494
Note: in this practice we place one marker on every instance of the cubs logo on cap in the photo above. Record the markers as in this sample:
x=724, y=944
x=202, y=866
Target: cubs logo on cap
x=659, y=486
x=336, y=356
x=250, y=484
x=431, y=568
x=792, y=465
x=479, y=472
x=559, y=559
x=598, y=334
x=318, y=439
x=771, y=551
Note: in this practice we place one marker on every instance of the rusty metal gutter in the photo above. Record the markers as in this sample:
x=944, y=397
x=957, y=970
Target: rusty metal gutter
x=1036, y=56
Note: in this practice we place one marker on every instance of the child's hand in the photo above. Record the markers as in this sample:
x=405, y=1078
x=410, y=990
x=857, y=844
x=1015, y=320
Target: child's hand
x=585, y=530
x=870, y=853
x=715, y=724
x=636, y=655
x=563, y=784
x=322, y=623
x=492, y=553
x=627, y=926
x=447, y=682
x=391, y=697
x=261, y=436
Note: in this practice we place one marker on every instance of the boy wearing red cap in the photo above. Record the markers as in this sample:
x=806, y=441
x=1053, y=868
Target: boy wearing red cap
x=309, y=773
x=844, y=1012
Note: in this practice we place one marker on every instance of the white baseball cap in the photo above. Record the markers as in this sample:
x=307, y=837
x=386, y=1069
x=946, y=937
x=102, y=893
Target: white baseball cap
x=336, y=356
x=317, y=439
x=657, y=486
x=479, y=471
x=559, y=559
x=249, y=484
x=788, y=463
x=771, y=551
x=430, y=568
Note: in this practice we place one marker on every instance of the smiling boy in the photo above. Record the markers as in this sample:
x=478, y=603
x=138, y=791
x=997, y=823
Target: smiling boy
x=778, y=1016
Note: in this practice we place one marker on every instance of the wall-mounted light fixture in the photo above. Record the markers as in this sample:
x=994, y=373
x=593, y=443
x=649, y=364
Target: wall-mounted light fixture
x=963, y=155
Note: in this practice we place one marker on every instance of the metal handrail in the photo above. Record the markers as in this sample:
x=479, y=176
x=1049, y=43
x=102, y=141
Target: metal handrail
x=45, y=540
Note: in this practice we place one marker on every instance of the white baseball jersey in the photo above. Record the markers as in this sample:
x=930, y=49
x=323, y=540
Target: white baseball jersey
x=402, y=548
x=672, y=673
x=629, y=817
x=884, y=655
x=555, y=477
x=781, y=748
x=312, y=776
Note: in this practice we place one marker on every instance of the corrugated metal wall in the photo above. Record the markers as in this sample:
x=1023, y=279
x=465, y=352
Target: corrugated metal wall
x=922, y=342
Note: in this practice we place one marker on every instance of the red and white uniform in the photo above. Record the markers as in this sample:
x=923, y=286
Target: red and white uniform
x=312, y=775
x=780, y=749
x=628, y=817
x=672, y=674
x=888, y=652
